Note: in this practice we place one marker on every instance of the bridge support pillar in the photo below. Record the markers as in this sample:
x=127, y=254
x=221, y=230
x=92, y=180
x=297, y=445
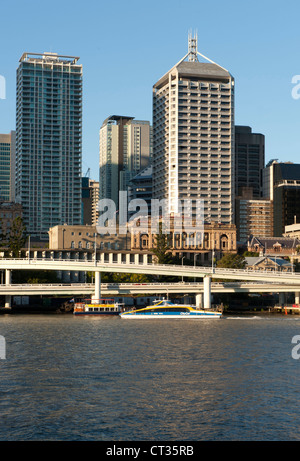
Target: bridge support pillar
x=297, y=297
x=7, y=282
x=207, y=292
x=199, y=301
x=281, y=299
x=97, y=294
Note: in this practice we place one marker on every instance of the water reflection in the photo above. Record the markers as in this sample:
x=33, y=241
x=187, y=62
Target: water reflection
x=69, y=378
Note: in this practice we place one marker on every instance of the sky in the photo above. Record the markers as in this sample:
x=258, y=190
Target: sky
x=126, y=46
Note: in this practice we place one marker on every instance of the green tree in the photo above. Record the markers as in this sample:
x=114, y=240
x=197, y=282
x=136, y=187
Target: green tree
x=162, y=249
x=17, y=237
x=130, y=278
x=232, y=261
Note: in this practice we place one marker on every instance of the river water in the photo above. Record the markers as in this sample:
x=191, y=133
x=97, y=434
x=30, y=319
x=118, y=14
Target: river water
x=74, y=379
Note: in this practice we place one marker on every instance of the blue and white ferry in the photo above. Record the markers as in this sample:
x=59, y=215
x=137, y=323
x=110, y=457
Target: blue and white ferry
x=165, y=309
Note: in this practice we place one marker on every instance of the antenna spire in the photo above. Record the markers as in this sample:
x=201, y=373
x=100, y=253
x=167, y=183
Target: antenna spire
x=193, y=47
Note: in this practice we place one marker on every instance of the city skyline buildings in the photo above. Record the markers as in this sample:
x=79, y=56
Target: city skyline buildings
x=147, y=122
x=48, y=141
x=251, y=59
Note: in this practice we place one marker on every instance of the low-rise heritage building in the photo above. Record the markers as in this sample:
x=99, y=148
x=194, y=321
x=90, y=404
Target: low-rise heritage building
x=194, y=244
x=274, y=246
x=269, y=263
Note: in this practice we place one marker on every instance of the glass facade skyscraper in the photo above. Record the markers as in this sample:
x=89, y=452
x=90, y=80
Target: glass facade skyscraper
x=49, y=141
x=7, y=166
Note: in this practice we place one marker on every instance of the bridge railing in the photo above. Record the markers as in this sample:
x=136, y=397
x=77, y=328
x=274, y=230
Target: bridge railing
x=200, y=269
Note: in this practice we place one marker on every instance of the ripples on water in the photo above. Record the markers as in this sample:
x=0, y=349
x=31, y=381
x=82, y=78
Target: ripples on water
x=69, y=378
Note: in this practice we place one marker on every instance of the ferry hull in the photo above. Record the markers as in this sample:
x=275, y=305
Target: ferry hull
x=199, y=316
x=101, y=314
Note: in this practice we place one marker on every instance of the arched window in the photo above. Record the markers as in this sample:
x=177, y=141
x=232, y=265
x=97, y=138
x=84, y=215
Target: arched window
x=224, y=242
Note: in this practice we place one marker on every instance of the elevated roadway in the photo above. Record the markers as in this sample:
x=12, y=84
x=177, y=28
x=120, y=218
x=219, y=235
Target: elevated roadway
x=265, y=281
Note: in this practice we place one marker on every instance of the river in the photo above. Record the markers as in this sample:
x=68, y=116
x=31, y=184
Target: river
x=67, y=378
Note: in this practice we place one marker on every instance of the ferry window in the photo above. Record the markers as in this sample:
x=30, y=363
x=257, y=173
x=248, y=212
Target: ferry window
x=96, y=309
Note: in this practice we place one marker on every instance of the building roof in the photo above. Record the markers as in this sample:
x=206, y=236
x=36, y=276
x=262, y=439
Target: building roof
x=270, y=242
x=254, y=261
x=288, y=170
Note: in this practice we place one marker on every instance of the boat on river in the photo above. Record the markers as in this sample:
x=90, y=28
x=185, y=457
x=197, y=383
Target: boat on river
x=100, y=307
x=165, y=309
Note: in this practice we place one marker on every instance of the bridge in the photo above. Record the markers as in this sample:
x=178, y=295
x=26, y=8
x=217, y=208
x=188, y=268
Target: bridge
x=265, y=281
x=127, y=289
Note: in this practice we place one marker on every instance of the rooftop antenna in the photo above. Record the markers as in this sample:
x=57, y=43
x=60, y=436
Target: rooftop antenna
x=193, y=47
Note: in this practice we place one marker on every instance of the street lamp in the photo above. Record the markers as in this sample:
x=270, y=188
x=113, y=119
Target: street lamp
x=28, y=248
x=182, y=266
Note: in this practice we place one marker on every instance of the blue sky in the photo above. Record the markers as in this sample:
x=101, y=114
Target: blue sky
x=126, y=46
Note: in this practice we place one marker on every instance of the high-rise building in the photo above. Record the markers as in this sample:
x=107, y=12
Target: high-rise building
x=193, y=136
x=7, y=166
x=48, y=141
x=125, y=149
x=249, y=160
x=90, y=198
x=281, y=184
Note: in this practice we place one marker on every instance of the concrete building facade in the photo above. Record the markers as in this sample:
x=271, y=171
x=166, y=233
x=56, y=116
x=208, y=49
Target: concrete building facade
x=193, y=137
x=125, y=149
x=281, y=183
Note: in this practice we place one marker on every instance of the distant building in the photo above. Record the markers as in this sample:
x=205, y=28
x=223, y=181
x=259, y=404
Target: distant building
x=84, y=238
x=292, y=231
x=9, y=211
x=190, y=242
x=193, y=245
x=269, y=263
x=7, y=166
x=90, y=198
x=253, y=216
x=281, y=184
x=273, y=246
x=48, y=141
x=125, y=149
x=193, y=136
x=141, y=187
x=249, y=160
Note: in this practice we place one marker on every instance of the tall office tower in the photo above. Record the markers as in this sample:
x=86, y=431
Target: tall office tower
x=125, y=149
x=193, y=136
x=90, y=198
x=7, y=166
x=249, y=160
x=281, y=184
x=48, y=141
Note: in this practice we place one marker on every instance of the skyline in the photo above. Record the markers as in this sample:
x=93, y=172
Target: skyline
x=124, y=57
